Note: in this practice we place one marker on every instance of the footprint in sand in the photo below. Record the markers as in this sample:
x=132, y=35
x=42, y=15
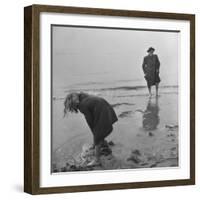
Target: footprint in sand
x=125, y=114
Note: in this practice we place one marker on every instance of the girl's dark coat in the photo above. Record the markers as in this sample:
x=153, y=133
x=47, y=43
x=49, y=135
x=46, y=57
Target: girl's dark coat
x=99, y=115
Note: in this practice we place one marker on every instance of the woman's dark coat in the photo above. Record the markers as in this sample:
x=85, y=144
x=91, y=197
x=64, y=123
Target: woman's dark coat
x=99, y=115
x=151, y=66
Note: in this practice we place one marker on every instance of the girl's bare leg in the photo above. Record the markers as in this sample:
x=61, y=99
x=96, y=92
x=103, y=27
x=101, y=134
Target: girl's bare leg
x=96, y=160
x=97, y=152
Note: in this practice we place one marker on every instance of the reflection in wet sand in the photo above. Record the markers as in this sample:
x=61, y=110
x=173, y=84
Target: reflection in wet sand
x=151, y=117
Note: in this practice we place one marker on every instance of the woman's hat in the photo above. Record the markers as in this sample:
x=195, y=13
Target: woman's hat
x=150, y=49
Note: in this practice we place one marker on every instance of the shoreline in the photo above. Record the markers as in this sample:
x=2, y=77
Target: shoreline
x=141, y=136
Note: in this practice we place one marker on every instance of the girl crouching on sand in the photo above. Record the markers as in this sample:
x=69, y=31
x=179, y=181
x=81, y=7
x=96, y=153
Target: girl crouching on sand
x=98, y=113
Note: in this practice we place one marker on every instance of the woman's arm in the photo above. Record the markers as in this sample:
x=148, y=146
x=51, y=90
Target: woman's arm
x=144, y=66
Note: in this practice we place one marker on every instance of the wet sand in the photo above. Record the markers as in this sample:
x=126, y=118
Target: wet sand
x=145, y=136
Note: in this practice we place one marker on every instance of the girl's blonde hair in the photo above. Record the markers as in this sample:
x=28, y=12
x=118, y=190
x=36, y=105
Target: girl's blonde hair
x=69, y=104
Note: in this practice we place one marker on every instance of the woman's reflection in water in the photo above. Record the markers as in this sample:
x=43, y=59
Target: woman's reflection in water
x=151, y=115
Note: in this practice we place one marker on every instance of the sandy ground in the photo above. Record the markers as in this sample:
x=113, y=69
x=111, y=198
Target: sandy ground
x=145, y=136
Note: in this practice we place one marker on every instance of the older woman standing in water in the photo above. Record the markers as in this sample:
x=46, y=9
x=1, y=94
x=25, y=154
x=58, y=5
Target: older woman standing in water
x=151, y=67
x=98, y=113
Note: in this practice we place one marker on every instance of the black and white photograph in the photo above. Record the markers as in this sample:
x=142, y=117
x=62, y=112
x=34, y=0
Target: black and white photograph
x=109, y=99
x=114, y=98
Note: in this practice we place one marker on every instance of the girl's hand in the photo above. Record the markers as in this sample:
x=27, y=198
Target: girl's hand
x=92, y=146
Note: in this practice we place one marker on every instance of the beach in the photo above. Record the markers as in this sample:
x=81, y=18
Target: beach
x=145, y=135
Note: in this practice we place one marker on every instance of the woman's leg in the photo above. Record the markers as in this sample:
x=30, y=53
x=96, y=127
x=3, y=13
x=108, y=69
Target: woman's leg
x=157, y=84
x=149, y=88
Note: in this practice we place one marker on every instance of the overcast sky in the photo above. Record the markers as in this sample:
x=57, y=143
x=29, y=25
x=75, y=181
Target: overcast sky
x=89, y=54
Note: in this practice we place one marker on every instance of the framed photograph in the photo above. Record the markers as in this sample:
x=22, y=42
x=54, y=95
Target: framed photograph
x=109, y=99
